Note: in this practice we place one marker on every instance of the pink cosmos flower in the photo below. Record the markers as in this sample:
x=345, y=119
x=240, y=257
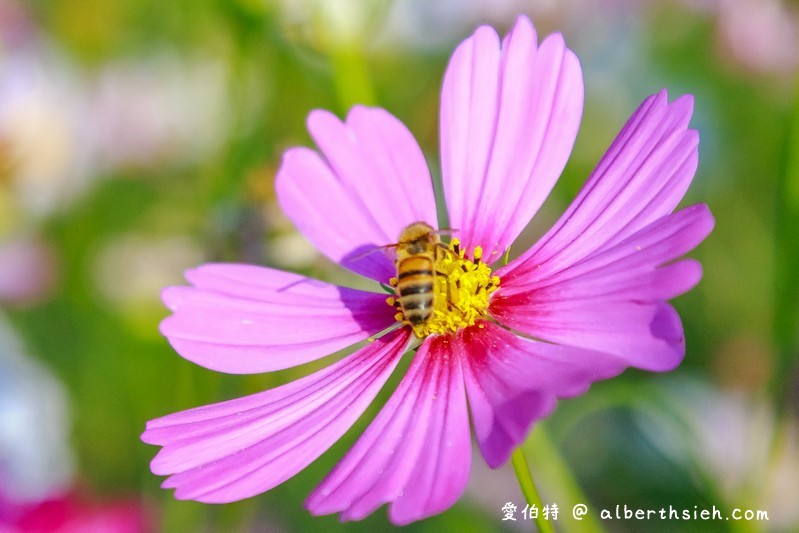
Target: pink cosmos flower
x=504, y=342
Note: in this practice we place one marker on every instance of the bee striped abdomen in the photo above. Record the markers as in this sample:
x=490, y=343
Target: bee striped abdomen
x=415, y=287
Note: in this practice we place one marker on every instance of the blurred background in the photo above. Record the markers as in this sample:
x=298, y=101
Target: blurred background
x=139, y=138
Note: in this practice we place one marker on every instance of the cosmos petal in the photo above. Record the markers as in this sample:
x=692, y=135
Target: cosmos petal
x=647, y=335
x=509, y=118
x=630, y=269
x=239, y=448
x=641, y=178
x=416, y=454
x=248, y=319
x=612, y=301
x=512, y=382
x=370, y=181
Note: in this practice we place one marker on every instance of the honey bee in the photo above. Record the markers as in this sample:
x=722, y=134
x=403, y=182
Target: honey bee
x=418, y=250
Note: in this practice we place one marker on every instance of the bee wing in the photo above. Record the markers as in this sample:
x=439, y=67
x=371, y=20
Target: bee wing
x=371, y=251
x=446, y=231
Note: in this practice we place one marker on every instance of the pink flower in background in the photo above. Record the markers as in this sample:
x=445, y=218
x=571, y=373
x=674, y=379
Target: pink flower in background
x=38, y=491
x=584, y=303
x=28, y=270
x=72, y=512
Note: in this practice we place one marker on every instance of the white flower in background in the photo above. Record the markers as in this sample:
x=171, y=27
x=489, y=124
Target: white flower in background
x=734, y=440
x=47, y=155
x=146, y=264
x=329, y=22
x=35, y=458
x=159, y=110
x=424, y=24
x=61, y=129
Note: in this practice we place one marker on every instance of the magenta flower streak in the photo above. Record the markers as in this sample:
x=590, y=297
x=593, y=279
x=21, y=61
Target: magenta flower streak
x=592, y=292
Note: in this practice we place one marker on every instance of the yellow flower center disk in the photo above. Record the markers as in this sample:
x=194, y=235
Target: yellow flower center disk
x=462, y=290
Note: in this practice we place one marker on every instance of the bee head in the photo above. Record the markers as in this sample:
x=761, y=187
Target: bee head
x=418, y=232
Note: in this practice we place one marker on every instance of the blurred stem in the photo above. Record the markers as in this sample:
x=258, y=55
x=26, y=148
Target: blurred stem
x=786, y=305
x=558, y=471
x=341, y=28
x=528, y=489
x=351, y=76
x=548, y=462
x=523, y=474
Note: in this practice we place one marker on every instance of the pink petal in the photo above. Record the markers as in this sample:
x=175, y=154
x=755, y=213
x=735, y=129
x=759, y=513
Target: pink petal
x=239, y=448
x=369, y=183
x=646, y=335
x=629, y=269
x=248, y=319
x=641, y=178
x=512, y=382
x=415, y=455
x=509, y=117
x=612, y=301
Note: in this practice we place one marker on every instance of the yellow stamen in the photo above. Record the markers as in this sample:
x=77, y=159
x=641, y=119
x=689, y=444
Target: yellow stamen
x=463, y=289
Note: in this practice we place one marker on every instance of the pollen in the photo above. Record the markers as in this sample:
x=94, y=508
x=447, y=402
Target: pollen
x=463, y=288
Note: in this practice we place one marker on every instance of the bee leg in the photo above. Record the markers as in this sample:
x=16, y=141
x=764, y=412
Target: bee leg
x=450, y=299
x=388, y=288
x=441, y=250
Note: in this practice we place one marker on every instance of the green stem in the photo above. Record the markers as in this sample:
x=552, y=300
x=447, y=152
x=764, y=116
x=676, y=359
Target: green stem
x=528, y=489
x=561, y=483
x=351, y=76
x=786, y=305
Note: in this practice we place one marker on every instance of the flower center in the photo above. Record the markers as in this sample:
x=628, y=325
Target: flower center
x=462, y=288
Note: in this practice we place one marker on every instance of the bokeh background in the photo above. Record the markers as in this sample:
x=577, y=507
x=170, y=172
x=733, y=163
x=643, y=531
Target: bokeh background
x=139, y=138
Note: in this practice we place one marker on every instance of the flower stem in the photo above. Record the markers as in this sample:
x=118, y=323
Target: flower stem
x=528, y=489
x=786, y=305
x=351, y=77
x=561, y=483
